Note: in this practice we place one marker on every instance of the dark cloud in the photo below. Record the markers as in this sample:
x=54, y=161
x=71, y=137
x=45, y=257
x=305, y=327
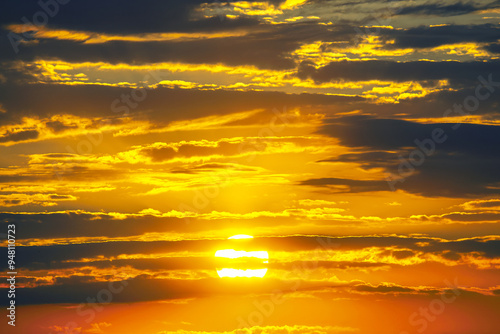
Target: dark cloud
x=402, y=254
x=60, y=197
x=199, y=263
x=397, y=71
x=62, y=256
x=148, y=16
x=368, y=160
x=160, y=264
x=474, y=217
x=160, y=153
x=487, y=248
x=19, y=136
x=268, y=47
x=487, y=204
x=324, y=264
x=71, y=224
x=494, y=48
x=141, y=288
x=161, y=105
x=464, y=162
x=346, y=185
x=449, y=255
x=73, y=279
x=435, y=104
x=390, y=134
x=57, y=126
x=253, y=50
x=45, y=255
x=12, y=201
x=441, y=9
x=190, y=150
x=429, y=37
x=383, y=288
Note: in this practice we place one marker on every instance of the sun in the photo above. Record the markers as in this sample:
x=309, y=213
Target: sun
x=241, y=236
x=240, y=262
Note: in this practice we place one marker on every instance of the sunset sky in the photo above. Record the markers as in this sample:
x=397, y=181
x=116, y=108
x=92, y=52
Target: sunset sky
x=352, y=147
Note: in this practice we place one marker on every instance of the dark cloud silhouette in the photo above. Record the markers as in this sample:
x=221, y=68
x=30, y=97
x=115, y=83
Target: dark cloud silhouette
x=53, y=255
x=267, y=47
x=254, y=50
x=346, y=185
x=148, y=16
x=162, y=105
x=57, y=126
x=429, y=37
x=435, y=104
x=455, y=9
x=383, y=288
x=460, y=165
x=72, y=224
x=397, y=71
x=389, y=134
x=222, y=148
x=487, y=204
x=160, y=265
x=76, y=288
x=19, y=136
x=493, y=47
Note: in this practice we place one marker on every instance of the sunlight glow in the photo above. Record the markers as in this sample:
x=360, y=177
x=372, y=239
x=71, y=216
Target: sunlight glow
x=234, y=254
x=244, y=258
x=241, y=236
x=231, y=272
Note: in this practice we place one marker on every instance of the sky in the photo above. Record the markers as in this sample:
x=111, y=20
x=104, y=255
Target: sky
x=351, y=146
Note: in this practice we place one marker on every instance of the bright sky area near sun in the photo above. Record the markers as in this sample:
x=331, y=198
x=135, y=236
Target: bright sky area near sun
x=247, y=167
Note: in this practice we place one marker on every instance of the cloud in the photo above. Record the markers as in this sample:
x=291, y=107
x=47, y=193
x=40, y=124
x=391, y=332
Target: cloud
x=225, y=147
x=266, y=46
x=18, y=136
x=79, y=224
x=127, y=17
x=58, y=126
x=141, y=288
x=462, y=165
x=8, y=199
x=162, y=105
x=383, y=288
x=41, y=256
x=286, y=329
x=346, y=185
x=268, y=50
x=397, y=71
x=488, y=204
x=434, y=36
x=435, y=104
x=494, y=48
x=455, y=9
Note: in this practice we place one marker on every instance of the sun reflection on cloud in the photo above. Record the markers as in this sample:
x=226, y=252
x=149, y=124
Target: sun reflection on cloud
x=241, y=260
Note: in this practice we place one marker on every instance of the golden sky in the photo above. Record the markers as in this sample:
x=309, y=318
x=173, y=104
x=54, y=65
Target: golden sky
x=352, y=147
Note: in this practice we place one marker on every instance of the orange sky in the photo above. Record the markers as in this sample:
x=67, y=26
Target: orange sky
x=357, y=142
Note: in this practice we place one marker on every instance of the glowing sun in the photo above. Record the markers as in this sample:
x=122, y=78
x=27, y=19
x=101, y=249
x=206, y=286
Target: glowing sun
x=240, y=262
